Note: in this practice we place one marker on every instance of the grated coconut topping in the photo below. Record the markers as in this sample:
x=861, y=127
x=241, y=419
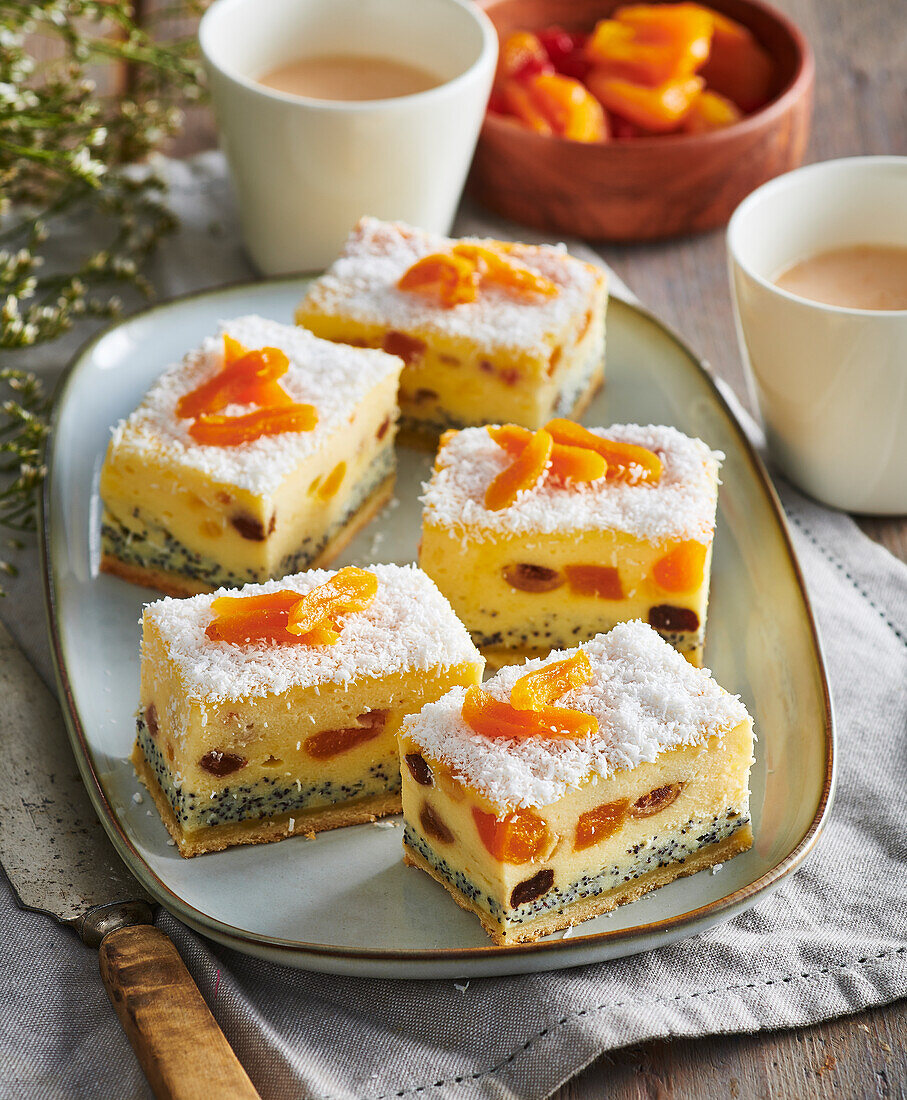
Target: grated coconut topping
x=680, y=506
x=334, y=378
x=647, y=698
x=408, y=625
x=362, y=285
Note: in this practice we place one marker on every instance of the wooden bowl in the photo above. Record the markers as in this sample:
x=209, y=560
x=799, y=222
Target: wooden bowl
x=643, y=188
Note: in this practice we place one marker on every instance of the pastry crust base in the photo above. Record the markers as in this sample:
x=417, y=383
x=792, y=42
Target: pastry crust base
x=175, y=584
x=497, y=657
x=214, y=838
x=587, y=908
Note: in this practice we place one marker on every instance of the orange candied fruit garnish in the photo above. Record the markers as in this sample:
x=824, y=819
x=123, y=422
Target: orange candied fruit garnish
x=493, y=718
x=524, y=472
x=710, y=111
x=349, y=590
x=456, y=276
x=681, y=569
x=626, y=461
x=454, y=279
x=239, y=619
x=287, y=617
x=231, y=431
x=245, y=378
x=539, y=689
x=650, y=44
x=659, y=109
x=570, y=108
x=520, y=837
x=568, y=463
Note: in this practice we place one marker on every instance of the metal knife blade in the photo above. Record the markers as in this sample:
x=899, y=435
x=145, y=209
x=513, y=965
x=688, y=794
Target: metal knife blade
x=52, y=845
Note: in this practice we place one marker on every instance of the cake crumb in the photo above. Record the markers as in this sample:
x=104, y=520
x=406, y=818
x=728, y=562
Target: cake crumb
x=171, y=843
x=568, y=931
x=310, y=835
x=716, y=867
x=385, y=824
x=137, y=798
x=461, y=987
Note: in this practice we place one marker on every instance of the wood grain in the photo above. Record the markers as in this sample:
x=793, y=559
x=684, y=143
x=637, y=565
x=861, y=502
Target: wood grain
x=182, y=1051
x=644, y=189
x=860, y=107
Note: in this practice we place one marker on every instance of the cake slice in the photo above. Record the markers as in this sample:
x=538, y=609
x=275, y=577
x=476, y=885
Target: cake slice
x=489, y=330
x=249, y=732
x=261, y=454
x=536, y=819
x=624, y=530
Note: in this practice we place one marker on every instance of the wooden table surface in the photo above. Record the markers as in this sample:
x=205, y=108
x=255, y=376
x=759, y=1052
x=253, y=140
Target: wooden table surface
x=861, y=107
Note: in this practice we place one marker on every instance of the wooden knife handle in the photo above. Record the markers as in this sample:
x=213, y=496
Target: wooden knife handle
x=181, y=1048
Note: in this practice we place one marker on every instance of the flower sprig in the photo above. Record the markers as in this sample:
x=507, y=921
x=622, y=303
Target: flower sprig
x=65, y=151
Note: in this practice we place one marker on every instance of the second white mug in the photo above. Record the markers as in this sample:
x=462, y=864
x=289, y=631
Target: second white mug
x=830, y=381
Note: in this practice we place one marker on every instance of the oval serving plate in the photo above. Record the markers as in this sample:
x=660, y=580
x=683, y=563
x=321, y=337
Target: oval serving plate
x=344, y=902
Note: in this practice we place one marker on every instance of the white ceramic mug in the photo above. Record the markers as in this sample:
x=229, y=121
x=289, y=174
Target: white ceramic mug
x=831, y=382
x=306, y=169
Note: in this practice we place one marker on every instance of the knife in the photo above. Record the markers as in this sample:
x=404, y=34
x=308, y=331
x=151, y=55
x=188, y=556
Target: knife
x=61, y=864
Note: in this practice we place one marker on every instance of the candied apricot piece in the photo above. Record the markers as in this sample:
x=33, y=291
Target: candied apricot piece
x=330, y=743
x=596, y=825
x=659, y=109
x=232, y=431
x=455, y=277
x=602, y=581
x=350, y=589
x=526, y=577
x=331, y=484
x=493, y=718
x=241, y=380
x=626, y=461
x=511, y=437
x=571, y=109
x=498, y=269
x=523, y=473
x=249, y=619
x=737, y=66
x=649, y=44
x=452, y=278
x=682, y=569
x=569, y=463
x=576, y=465
x=520, y=837
x=710, y=111
x=520, y=103
x=537, y=689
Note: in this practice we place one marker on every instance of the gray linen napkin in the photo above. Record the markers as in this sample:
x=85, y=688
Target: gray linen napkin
x=831, y=940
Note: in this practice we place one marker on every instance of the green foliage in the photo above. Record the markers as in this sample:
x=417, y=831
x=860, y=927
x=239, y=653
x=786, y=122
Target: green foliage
x=66, y=150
